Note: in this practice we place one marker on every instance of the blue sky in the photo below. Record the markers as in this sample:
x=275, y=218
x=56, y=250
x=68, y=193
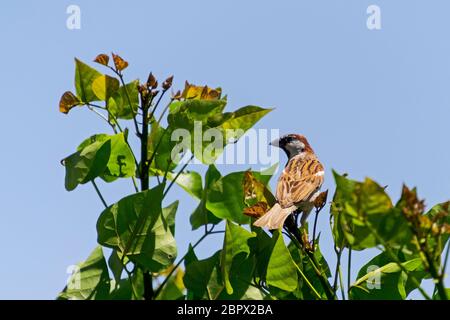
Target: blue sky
x=372, y=103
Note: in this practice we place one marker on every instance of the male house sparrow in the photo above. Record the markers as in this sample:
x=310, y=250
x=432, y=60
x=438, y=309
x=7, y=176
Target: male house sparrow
x=299, y=183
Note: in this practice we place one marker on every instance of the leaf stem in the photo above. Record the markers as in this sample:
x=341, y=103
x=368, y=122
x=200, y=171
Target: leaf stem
x=164, y=110
x=349, y=269
x=341, y=283
x=115, y=131
x=90, y=107
x=135, y=184
x=315, y=226
x=119, y=74
x=338, y=252
x=437, y=277
x=99, y=193
x=156, y=105
x=176, y=177
x=130, y=278
x=152, y=157
x=308, y=283
x=444, y=267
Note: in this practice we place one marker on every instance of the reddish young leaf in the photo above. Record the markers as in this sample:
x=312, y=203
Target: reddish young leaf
x=119, y=62
x=257, y=210
x=102, y=59
x=68, y=101
x=200, y=92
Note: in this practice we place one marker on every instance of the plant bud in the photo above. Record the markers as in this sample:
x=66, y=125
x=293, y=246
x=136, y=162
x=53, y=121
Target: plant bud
x=141, y=89
x=151, y=81
x=321, y=200
x=167, y=83
x=177, y=95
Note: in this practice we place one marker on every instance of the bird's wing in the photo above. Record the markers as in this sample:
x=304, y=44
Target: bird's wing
x=299, y=180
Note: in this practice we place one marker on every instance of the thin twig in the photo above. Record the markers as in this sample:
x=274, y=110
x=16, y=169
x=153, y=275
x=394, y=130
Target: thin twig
x=101, y=116
x=444, y=267
x=120, y=75
x=157, y=104
x=315, y=226
x=135, y=184
x=116, y=122
x=152, y=157
x=338, y=252
x=164, y=110
x=308, y=283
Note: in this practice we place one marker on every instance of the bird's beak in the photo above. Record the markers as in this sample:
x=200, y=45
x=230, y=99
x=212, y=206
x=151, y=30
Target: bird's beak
x=275, y=143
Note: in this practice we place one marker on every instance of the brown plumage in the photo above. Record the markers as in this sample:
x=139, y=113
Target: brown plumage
x=298, y=185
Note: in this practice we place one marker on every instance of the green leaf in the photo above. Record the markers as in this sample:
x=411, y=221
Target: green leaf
x=68, y=101
x=136, y=227
x=261, y=247
x=189, y=181
x=104, y=87
x=128, y=289
x=200, y=110
x=441, y=214
x=234, y=243
x=436, y=295
x=241, y=278
x=160, y=148
x=196, y=117
x=101, y=155
x=87, y=163
x=203, y=278
x=381, y=278
x=281, y=269
x=169, y=213
x=174, y=288
x=90, y=280
x=121, y=162
x=358, y=208
x=118, y=103
x=304, y=263
x=210, y=130
x=84, y=78
x=201, y=215
x=242, y=119
x=225, y=197
x=115, y=265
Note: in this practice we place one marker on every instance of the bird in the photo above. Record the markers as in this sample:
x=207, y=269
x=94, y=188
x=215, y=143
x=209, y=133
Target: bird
x=298, y=185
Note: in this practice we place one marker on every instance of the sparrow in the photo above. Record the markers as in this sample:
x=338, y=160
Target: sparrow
x=298, y=185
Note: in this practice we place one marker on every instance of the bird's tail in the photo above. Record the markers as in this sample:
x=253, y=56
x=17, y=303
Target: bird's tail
x=275, y=217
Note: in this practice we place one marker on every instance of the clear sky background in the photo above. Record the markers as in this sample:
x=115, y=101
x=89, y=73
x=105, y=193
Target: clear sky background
x=372, y=103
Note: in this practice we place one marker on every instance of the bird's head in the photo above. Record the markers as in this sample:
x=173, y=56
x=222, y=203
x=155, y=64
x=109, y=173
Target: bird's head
x=293, y=144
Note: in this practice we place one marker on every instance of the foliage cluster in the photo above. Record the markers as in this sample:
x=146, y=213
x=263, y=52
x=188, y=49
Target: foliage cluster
x=252, y=263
